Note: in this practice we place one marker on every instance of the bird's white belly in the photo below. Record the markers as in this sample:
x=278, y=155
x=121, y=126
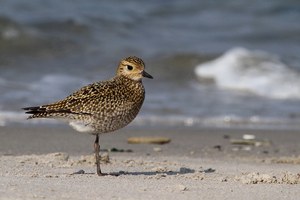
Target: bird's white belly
x=81, y=127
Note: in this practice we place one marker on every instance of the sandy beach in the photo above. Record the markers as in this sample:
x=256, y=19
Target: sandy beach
x=225, y=94
x=58, y=163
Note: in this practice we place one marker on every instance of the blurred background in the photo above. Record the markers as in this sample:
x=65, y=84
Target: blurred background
x=233, y=63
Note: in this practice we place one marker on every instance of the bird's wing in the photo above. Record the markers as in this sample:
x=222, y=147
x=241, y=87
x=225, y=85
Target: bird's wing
x=83, y=100
x=88, y=100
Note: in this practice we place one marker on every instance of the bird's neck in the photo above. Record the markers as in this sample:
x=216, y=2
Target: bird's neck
x=128, y=79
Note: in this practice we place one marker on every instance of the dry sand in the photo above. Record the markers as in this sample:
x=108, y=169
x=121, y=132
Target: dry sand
x=39, y=163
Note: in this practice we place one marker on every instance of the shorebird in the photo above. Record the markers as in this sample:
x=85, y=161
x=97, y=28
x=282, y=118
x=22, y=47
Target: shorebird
x=103, y=106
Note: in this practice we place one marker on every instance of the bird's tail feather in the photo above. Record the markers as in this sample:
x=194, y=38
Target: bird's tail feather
x=34, y=110
x=42, y=112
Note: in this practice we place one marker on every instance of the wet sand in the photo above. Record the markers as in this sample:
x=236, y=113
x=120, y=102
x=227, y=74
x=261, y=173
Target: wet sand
x=38, y=162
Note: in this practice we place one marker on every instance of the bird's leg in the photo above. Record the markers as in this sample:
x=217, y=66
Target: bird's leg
x=97, y=156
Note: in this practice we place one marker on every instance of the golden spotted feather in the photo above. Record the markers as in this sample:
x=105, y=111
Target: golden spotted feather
x=102, y=106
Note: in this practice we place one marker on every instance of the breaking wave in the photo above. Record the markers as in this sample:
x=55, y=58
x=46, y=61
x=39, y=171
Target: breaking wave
x=254, y=71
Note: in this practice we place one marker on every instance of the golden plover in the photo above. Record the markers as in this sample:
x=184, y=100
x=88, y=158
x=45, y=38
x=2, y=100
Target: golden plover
x=103, y=106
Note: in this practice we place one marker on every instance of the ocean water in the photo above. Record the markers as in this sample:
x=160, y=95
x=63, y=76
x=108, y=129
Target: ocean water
x=232, y=63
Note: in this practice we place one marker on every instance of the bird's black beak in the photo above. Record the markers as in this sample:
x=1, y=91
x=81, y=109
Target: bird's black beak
x=145, y=74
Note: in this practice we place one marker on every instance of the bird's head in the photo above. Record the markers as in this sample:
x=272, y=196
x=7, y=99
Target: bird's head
x=133, y=68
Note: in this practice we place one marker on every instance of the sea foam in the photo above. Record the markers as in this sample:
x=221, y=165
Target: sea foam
x=254, y=71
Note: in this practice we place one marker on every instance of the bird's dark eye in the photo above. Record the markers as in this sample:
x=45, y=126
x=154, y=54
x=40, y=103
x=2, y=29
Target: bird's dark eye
x=129, y=67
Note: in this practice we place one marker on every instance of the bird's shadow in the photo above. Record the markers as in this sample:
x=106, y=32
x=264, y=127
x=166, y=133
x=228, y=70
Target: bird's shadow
x=181, y=171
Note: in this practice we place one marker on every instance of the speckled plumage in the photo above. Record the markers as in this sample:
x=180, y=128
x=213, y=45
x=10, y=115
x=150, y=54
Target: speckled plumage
x=103, y=106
